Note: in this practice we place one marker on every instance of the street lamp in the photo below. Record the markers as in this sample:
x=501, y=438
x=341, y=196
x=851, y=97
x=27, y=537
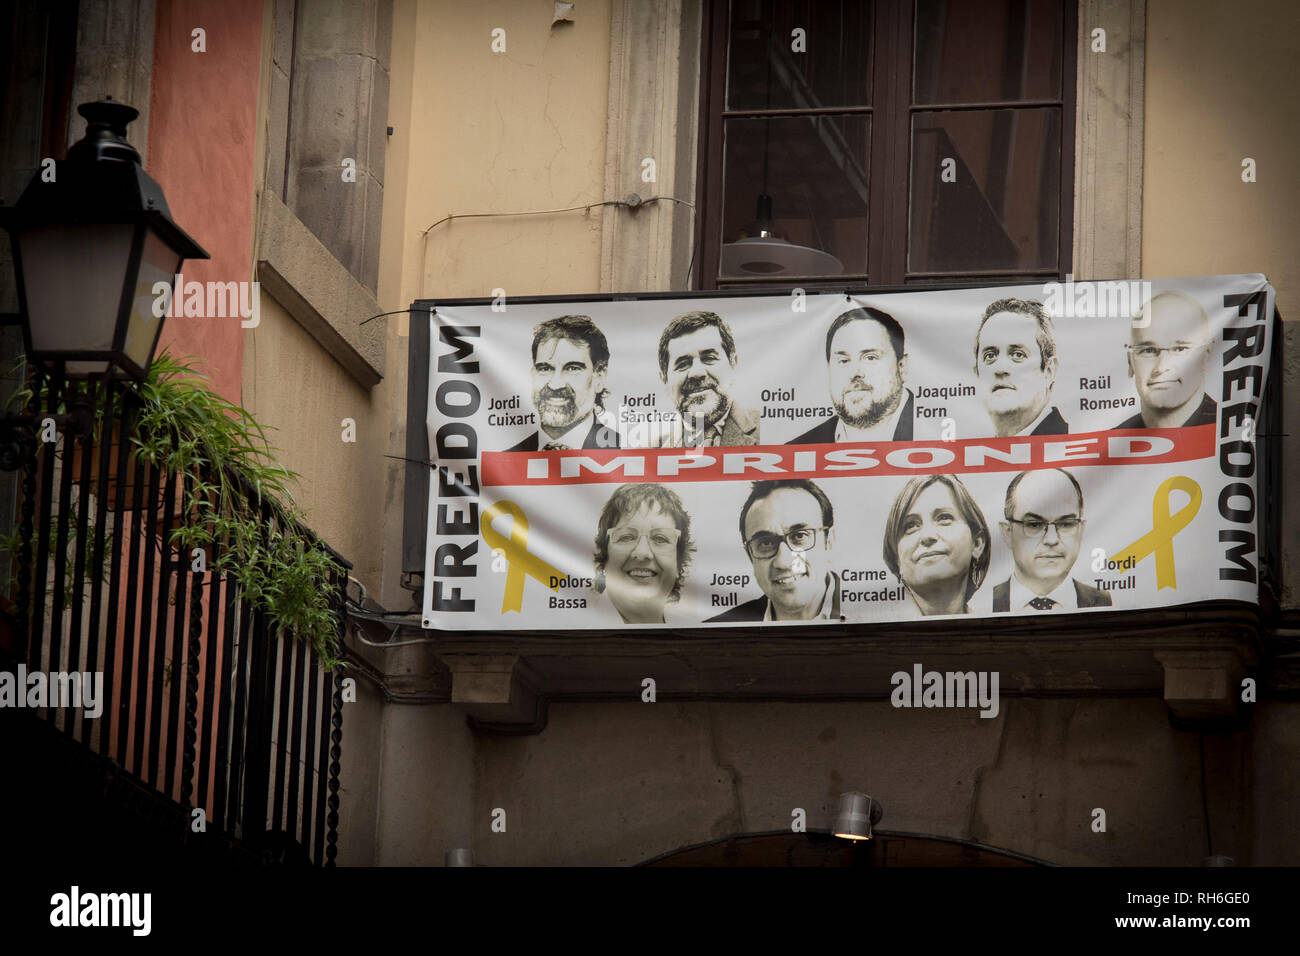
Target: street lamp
x=94, y=248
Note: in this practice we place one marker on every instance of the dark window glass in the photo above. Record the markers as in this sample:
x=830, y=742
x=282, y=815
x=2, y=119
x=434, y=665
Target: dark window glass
x=765, y=72
x=830, y=161
x=989, y=51
x=814, y=169
x=1001, y=210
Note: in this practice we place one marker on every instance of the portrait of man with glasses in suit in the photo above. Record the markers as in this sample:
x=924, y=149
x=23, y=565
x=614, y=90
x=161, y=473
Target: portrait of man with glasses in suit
x=1044, y=531
x=786, y=529
x=1168, y=356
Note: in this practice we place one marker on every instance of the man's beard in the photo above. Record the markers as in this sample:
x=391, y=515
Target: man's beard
x=556, y=416
x=875, y=411
x=696, y=415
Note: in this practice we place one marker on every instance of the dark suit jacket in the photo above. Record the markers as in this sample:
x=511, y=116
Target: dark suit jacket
x=824, y=434
x=1207, y=413
x=1088, y=596
x=756, y=609
x=1053, y=424
x=741, y=428
x=598, y=437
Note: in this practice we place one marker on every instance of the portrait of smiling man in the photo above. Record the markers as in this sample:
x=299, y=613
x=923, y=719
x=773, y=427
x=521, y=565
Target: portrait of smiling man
x=786, y=529
x=1044, y=531
x=1168, y=355
x=1015, y=362
x=570, y=362
x=866, y=364
x=697, y=361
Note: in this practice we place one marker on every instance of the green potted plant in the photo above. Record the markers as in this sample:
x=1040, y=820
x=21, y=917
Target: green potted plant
x=225, y=463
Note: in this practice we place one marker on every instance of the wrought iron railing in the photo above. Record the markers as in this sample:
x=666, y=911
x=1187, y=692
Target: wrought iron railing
x=203, y=700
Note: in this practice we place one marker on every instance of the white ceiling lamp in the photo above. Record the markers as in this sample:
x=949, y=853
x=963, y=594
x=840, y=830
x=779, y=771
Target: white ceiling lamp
x=766, y=254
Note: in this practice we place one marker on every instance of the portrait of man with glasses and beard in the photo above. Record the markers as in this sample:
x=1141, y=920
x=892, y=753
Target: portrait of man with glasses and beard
x=866, y=364
x=697, y=361
x=570, y=362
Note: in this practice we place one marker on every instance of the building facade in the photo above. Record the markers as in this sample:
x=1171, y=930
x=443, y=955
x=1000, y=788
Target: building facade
x=355, y=158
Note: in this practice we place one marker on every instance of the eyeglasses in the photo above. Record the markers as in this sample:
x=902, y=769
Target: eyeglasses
x=765, y=544
x=1036, y=527
x=1149, y=353
x=626, y=538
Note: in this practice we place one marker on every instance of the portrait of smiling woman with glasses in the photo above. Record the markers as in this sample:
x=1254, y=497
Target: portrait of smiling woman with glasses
x=643, y=551
x=937, y=544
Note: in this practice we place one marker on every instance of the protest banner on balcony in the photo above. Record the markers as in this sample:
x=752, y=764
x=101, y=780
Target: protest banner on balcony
x=808, y=458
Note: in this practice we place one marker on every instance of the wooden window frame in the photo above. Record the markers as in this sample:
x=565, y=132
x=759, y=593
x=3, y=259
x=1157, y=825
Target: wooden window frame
x=891, y=110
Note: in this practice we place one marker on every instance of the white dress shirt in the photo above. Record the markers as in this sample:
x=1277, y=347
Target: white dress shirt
x=1065, y=596
x=573, y=438
x=828, y=602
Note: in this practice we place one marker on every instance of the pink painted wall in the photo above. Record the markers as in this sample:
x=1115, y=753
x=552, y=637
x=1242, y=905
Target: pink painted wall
x=202, y=125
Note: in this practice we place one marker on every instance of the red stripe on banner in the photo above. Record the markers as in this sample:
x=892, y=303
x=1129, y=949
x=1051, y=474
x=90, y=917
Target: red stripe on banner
x=1131, y=446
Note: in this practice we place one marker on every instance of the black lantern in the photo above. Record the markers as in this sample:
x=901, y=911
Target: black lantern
x=96, y=254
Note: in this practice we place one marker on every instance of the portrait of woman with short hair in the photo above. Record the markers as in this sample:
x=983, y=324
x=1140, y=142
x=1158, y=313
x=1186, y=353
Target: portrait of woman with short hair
x=643, y=552
x=937, y=544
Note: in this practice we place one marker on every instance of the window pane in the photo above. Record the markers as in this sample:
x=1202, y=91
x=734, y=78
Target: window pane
x=764, y=72
x=988, y=51
x=1001, y=209
x=816, y=175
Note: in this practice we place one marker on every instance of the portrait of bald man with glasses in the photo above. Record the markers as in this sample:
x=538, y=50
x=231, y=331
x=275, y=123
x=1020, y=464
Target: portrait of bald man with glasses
x=1044, y=531
x=1169, y=354
x=786, y=529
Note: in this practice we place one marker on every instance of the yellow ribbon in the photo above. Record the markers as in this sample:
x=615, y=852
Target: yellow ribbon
x=1160, y=539
x=515, y=548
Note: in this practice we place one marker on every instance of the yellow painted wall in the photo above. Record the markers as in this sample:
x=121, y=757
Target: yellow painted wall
x=501, y=132
x=1220, y=87
x=302, y=396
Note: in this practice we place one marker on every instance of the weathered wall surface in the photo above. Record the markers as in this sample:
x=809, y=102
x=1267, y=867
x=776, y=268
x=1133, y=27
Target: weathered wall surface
x=617, y=783
x=517, y=131
x=294, y=388
x=1220, y=88
x=202, y=124
x=655, y=777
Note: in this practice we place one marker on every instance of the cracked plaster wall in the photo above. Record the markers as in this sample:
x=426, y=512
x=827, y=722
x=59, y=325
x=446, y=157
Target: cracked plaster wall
x=620, y=783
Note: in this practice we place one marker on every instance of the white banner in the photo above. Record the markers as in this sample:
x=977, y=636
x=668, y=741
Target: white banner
x=786, y=459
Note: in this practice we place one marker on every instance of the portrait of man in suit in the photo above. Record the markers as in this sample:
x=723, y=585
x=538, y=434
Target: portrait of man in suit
x=570, y=361
x=866, y=364
x=786, y=529
x=697, y=361
x=1169, y=353
x=1044, y=531
x=1015, y=362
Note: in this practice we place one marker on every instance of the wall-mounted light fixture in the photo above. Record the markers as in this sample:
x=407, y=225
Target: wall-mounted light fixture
x=858, y=814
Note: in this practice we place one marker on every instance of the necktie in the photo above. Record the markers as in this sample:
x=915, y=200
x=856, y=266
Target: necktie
x=555, y=446
x=1042, y=604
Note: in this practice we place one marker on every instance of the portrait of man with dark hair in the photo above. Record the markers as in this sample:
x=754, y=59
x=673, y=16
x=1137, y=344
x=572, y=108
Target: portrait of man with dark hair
x=866, y=365
x=697, y=361
x=570, y=362
x=786, y=528
x=1016, y=364
x=1043, y=529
